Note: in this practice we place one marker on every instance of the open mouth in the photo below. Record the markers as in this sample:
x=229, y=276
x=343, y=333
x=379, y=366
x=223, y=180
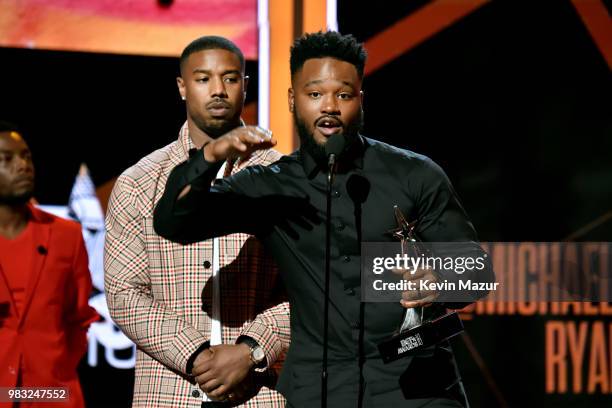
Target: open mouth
x=329, y=126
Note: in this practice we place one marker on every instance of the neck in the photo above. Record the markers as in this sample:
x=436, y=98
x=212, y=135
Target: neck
x=197, y=135
x=13, y=219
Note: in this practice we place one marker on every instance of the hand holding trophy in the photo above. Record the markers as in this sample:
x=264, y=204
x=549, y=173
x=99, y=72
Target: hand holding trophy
x=417, y=332
x=412, y=299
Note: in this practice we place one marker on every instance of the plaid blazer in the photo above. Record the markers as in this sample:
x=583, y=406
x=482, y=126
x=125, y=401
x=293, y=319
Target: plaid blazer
x=160, y=293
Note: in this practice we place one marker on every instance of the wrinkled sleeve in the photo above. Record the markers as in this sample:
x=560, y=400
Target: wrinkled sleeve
x=155, y=328
x=188, y=219
x=442, y=219
x=271, y=331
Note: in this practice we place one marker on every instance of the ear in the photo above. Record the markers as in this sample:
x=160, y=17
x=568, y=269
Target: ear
x=181, y=87
x=291, y=99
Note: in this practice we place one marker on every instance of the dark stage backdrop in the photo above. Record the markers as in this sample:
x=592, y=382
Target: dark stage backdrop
x=512, y=100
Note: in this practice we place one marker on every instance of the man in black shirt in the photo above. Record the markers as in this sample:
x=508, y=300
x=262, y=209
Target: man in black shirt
x=279, y=203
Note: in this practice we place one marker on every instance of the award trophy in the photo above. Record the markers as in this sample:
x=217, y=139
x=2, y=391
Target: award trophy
x=417, y=332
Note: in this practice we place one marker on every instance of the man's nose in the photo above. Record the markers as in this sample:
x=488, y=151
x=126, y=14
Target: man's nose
x=23, y=164
x=217, y=88
x=330, y=105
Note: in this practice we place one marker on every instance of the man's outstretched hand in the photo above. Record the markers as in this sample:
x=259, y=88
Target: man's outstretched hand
x=241, y=141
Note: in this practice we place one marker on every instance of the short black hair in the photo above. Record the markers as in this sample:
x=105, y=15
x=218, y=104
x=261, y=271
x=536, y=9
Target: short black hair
x=6, y=126
x=211, y=42
x=328, y=44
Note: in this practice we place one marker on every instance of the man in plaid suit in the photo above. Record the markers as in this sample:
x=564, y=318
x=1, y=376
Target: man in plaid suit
x=210, y=316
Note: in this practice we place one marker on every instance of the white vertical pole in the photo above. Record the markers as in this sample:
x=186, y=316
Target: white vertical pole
x=263, y=24
x=332, y=15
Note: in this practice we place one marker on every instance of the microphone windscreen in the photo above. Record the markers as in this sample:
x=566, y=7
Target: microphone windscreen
x=358, y=188
x=335, y=144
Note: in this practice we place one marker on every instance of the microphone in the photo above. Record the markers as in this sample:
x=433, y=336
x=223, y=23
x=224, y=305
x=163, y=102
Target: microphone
x=334, y=146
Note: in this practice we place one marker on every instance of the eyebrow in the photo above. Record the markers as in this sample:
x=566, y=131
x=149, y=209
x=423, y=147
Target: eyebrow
x=319, y=81
x=26, y=150
x=208, y=72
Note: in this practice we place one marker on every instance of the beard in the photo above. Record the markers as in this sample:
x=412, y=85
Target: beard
x=317, y=151
x=216, y=128
x=307, y=140
x=16, y=199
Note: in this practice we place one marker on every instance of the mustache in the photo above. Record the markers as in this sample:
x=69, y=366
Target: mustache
x=218, y=103
x=327, y=118
x=19, y=179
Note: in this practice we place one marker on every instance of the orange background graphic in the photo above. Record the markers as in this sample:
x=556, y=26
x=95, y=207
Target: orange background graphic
x=142, y=27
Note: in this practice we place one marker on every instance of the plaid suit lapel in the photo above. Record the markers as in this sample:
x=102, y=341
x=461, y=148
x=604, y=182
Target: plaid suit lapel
x=180, y=152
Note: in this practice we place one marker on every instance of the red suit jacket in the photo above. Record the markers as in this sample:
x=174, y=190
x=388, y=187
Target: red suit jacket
x=49, y=338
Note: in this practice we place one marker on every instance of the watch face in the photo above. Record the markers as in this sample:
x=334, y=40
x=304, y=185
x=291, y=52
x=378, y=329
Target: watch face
x=258, y=354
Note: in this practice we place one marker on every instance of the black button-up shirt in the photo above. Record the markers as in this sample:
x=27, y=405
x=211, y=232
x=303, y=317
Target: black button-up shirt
x=371, y=179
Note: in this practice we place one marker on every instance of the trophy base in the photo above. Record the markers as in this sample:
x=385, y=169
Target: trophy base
x=425, y=335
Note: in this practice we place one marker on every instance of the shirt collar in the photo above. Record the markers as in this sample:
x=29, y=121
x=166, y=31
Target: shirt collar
x=184, y=139
x=352, y=158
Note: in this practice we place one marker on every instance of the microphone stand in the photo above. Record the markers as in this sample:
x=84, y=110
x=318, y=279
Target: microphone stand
x=330, y=180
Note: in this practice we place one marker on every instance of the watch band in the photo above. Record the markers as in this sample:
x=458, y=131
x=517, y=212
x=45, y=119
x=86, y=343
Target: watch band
x=252, y=343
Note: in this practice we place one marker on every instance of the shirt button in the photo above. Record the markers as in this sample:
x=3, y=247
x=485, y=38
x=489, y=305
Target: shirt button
x=336, y=193
x=346, y=259
x=340, y=226
x=206, y=264
x=12, y=370
x=195, y=393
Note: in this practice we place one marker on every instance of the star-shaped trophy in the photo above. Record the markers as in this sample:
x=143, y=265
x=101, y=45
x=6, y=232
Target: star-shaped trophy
x=407, y=237
x=415, y=333
x=404, y=231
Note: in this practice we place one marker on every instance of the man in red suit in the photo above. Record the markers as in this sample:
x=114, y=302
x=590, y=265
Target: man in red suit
x=44, y=285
